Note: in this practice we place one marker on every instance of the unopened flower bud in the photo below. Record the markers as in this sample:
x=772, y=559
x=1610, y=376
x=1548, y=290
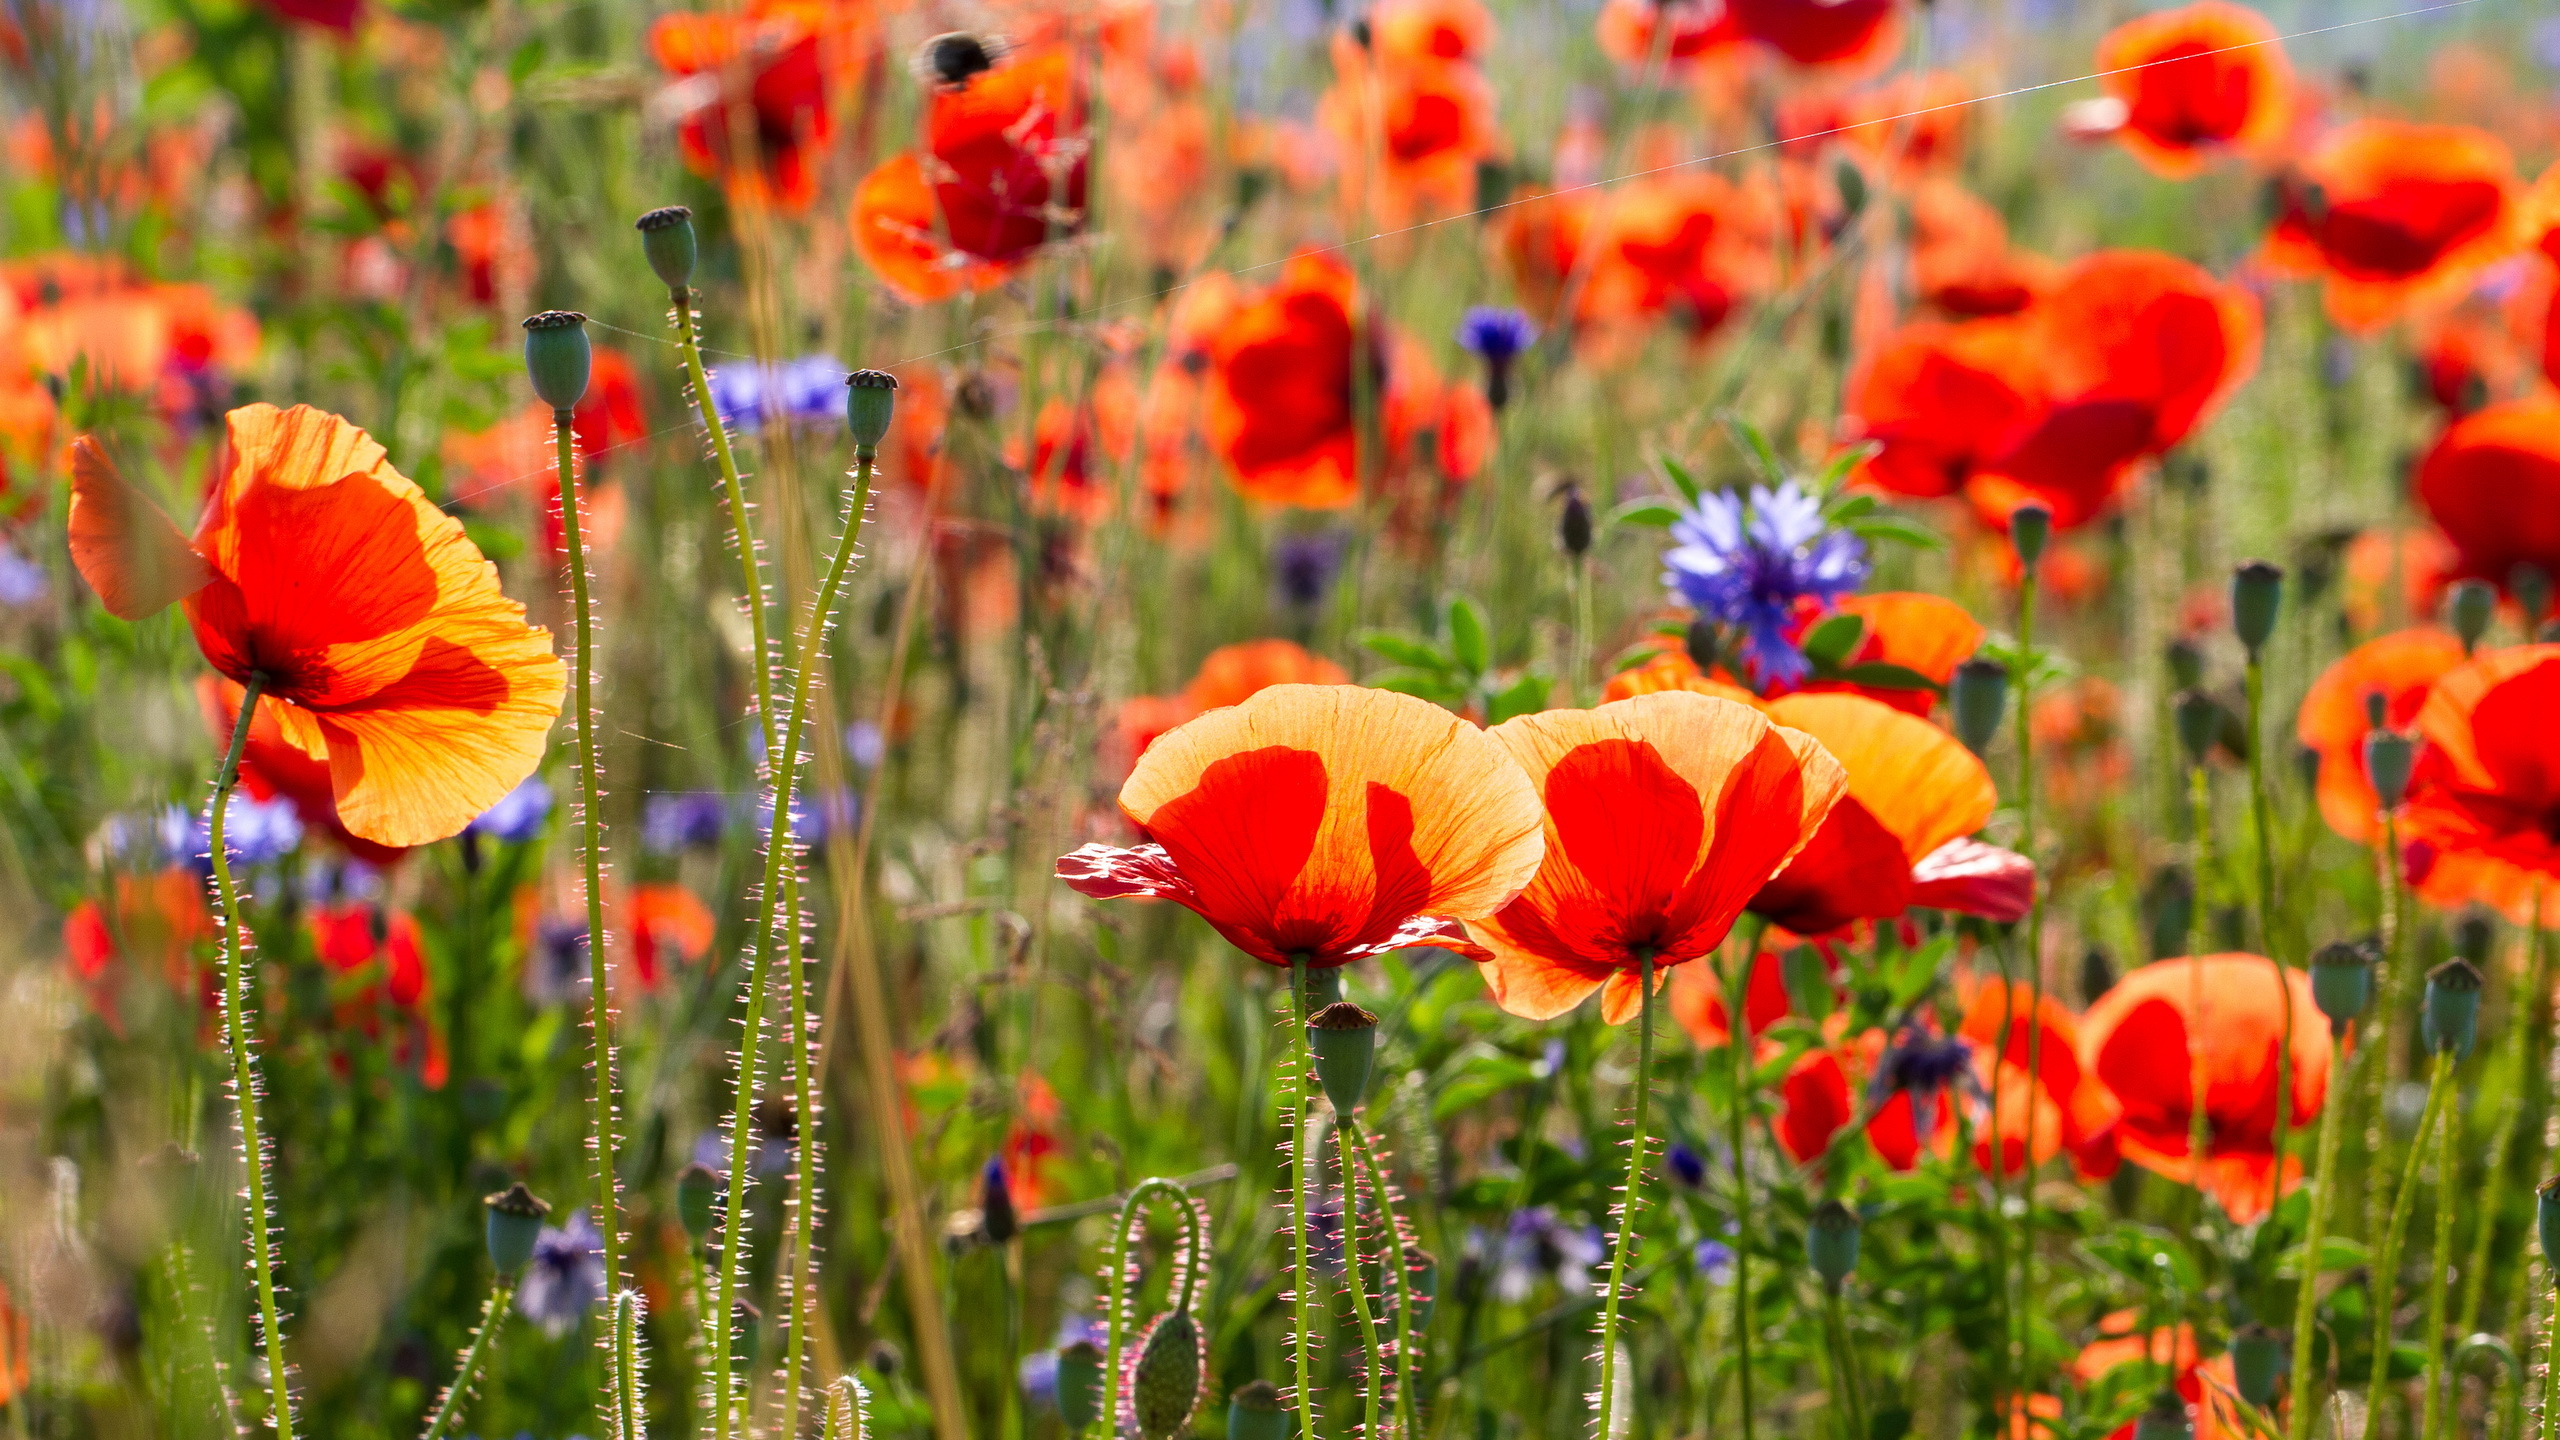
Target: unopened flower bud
x=2199, y=724
x=1573, y=526
x=2451, y=1020
x=2257, y=593
x=870, y=399
x=666, y=237
x=698, y=1190
x=557, y=356
x=2342, y=981
x=1831, y=1243
x=1254, y=1412
x=2169, y=903
x=2546, y=1223
x=2474, y=931
x=2186, y=663
x=2258, y=1363
x=995, y=1204
x=515, y=1218
x=1345, y=1040
x=1166, y=1382
x=2531, y=585
x=1976, y=698
x=2166, y=1419
x=2030, y=527
x=1080, y=1385
x=2468, y=608
x=2389, y=756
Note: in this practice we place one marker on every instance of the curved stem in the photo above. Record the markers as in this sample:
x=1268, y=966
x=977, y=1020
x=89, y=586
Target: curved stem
x=1133, y=1209
x=591, y=853
x=2386, y=1269
x=493, y=1314
x=244, y=1076
x=1408, y=1366
x=804, y=1178
x=1357, y=1283
x=1635, y=1186
x=2449, y=1124
x=2306, y=1299
x=1294, y=1098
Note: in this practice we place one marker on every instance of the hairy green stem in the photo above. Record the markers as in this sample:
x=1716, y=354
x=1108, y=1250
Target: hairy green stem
x=2551, y=1353
x=1738, y=1040
x=2200, y=813
x=2306, y=1298
x=2265, y=826
x=1357, y=1283
x=2386, y=1270
x=1294, y=1100
x=591, y=853
x=1625, y=1250
x=2025, y=736
x=493, y=1315
x=2520, y=1031
x=2449, y=1125
x=1133, y=1209
x=2391, y=993
x=1408, y=1366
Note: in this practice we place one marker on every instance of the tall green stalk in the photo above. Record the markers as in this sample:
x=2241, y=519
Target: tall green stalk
x=2493, y=1203
x=1625, y=1250
x=493, y=1315
x=2386, y=1269
x=2449, y=1126
x=236, y=1024
x=2262, y=822
x=1356, y=1283
x=2394, y=994
x=2200, y=811
x=1408, y=1365
x=2306, y=1299
x=2025, y=736
x=1293, y=1100
x=1738, y=1040
x=591, y=853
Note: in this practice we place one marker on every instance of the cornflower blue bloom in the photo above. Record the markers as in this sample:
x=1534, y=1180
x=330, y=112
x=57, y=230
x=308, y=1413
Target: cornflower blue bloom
x=1714, y=1260
x=807, y=390
x=1498, y=335
x=813, y=818
x=1538, y=1244
x=518, y=815
x=682, y=820
x=254, y=831
x=864, y=745
x=1304, y=567
x=1686, y=1165
x=1750, y=563
x=565, y=1276
x=22, y=581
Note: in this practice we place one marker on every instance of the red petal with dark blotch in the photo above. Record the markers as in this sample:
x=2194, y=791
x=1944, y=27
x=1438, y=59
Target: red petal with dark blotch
x=1975, y=878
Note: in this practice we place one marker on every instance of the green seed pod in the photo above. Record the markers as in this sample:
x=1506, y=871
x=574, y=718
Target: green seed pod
x=2342, y=981
x=2199, y=718
x=698, y=1190
x=2451, y=1020
x=1080, y=1385
x=1254, y=1412
x=870, y=399
x=1977, y=697
x=2474, y=931
x=2186, y=663
x=666, y=237
x=2258, y=1363
x=1345, y=1040
x=2531, y=585
x=2468, y=608
x=1831, y=1243
x=1165, y=1384
x=515, y=1217
x=557, y=356
x=2257, y=593
x=2546, y=1221
x=2389, y=757
x=2030, y=527
x=2165, y=1420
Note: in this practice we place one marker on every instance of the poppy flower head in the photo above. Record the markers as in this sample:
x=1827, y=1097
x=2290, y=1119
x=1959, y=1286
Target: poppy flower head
x=2394, y=214
x=780, y=56
x=2485, y=793
x=1233, y=674
x=373, y=624
x=1929, y=635
x=1326, y=822
x=2398, y=670
x=1821, y=32
x=2197, y=81
x=1630, y=31
x=1664, y=815
x=2492, y=484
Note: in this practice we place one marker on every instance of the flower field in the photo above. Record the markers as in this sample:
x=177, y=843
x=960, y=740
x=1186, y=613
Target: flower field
x=1286, y=719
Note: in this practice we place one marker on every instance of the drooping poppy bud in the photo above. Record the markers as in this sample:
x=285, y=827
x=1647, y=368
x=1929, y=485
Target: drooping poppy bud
x=2468, y=608
x=2165, y=1419
x=2257, y=593
x=995, y=1203
x=2186, y=663
x=1166, y=1381
x=557, y=357
x=666, y=237
x=1080, y=1385
x=1324, y=987
x=2389, y=756
x=1573, y=525
x=870, y=399
x=2030, y=527
x=2342, y=981
x=2258, y=1363
x=1977, y=696
x=2199, y=724
x=2531, y=585
x=698, y=1190
x=1254, y=1412
x=2451, y=1020
x=515, y=1218
x=1345, y=1039
x=1831, y=1243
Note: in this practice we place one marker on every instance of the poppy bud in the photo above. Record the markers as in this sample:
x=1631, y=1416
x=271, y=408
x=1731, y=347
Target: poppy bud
x=2474, y=930
x=2257, y=592
x=2030, y=526
x=870, y=398
x=2199, y=723
x=2258, y=1362
x=1573, y=527
x=1831, y=1243
x=698, y=1190
x=515, y=1218
x=2166, y=1419
x=1324, y=987
x=2342, y=981
x=2546, y=1221
x=2388, y=758
x=666, y=237
x=1166, y=1381
x=557, y=356
x=1704, y=642
x=2169, y=902
x=995, y=1204
x=2468, y=608
x=2377, y=709
x=1345, y=1039
x=1687, y=1166
x=2186, y=663
x=2451, y=1020
x=1254, y=1412
x=1977, y=696
x=1080, y=1385
x=2306, y=763
x=2531, y=585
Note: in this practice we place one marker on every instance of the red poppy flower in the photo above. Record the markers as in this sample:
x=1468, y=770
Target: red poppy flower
x=1820, y=32
x=1961, y=263
x=2394, y=214
x=2492, y=483
x=2399, y=668
x=1672, y=669
x=384, y=643
x=1431, y=29
x=2485, y=793
x=2195, y=82
x=1233, y=674
x=2136, y=1040
x=1001, y=173
x=1911, y=124
x=778, y=52
x=2395, y=573
x=1664, y=815
x=2039, y=1074
x=1423, y=120
x=610, y=413
x=270, y=767
x=668, y=925
x=1819, y=1096
x=1699, y=28
x=1697, y=999
x=1324, y=821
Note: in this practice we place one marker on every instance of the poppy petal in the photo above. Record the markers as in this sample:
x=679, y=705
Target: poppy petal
x=123, y=544
x=1974, y=878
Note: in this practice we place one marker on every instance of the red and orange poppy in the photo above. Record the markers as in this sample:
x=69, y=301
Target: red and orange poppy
x=1821, y=32
x=1929, y=635
x=1688, y=245
x=2492, y=484
x=2484, y=796
x=2399, y=669
x=1324, y=823
x=1410, y=114
x=1961, y=263
x=2395, y=215
x=1000, y=174
x=1629, y=32
x=2046, y=1100
x=269, y=768
x=1664, y=815
x=668, y=925
x=763, y=71
x=1819, y=1096
x=2224, y=1015
x=383, y=643
x=2196, y=82
x=2395, y=571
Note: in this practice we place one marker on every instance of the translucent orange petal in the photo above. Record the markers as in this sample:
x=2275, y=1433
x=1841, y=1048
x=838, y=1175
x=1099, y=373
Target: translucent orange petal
x=2446, y=719
x=1928, y=633
x=2196, y=80
x=1917, y=780
x=2400, y=668
x=122, y=543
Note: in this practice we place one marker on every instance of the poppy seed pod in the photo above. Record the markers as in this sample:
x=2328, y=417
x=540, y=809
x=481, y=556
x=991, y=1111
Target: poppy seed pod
x=2531, y=585
x=2451, y=1019
x=2342, y=981
x=1166, y=1381
x=1977, y=696
x=2166, y=1419
x=1254, y=1412
x=557, y=356
x=2389, y=756
x=1345, y=1040
x=2199, y=724
x=1831, y=1243
x=2546, y=1221
x=1573, y=527
x=2257, y=593
x=2258, y=1363
x=1080, y=1385
x=870, y=399
x=698, y=1190
x=2468, y=608
x=2186, y=663
x=515, y=1218
x=2030, y=527
x=2474, y=931
x=2377, y=709
x=666, y=237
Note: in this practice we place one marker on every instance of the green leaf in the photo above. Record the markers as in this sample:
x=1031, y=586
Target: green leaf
x=1524, y=696
x=1680, y=476
x=1842, y=509
x=1403, y=650
x=1833, y=641
x=1478, y=1079
x=1467, y=638
x=1837, y=468
x=1898, y=528
x=1645, y=510
x=526, y=60
x=1421, y=684
x=1636, y=657
x=1888, y=677
x=1756, y=446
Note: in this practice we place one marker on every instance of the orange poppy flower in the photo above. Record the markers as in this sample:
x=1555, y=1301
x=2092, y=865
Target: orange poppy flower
x=2209, y=1388
x=270, y=767
x=1940, y=400
x=383, y=641
x=1233, y=674
x=1929, y=635
x=1689, y=245
x=667, y=923
x=1001, y=173
x=1324, y=821
x=776, y=50
x=2401, y=669
x=2416, y=562
x=1697, y=999
x=2492, y=483
x=2135, y=1039
x=1821, y=32
x=1672, y=669
x=2394, y=215
x=2486, y=788
x=1817, y=1098
x=1420, y=120
x=1911, y=789
x=1627, y=33
x=2195, y=82
x=1664, y=814
x=1431, y=29
x=1908, y=125
x=2039, y=1061
x=1961, y=263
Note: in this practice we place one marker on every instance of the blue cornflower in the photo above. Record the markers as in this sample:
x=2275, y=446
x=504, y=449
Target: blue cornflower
x=807, y=390
x=683, y=820
x=1499, y=336
x=518, y=815
x=1714, y=1260
x=1748, y=563
x=22, y=581
x=565, y=1276
x=1686, y=1165
x=254, y=831
x=1304, y=567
